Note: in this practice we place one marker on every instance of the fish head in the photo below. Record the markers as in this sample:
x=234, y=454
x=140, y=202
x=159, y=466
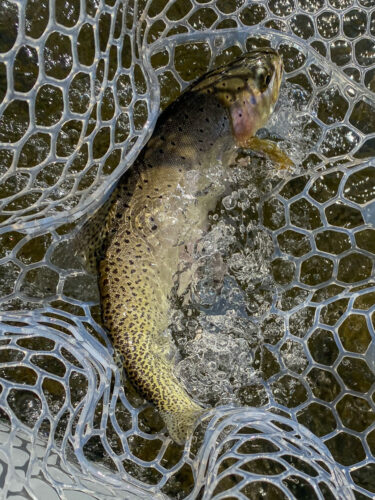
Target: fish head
x=248, y=88
x=253, y=104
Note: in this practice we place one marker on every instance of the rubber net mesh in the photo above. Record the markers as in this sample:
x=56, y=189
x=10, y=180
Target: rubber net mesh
x=81, y=84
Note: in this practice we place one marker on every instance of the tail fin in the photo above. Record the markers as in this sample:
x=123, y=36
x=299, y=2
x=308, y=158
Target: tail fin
x=181, y=425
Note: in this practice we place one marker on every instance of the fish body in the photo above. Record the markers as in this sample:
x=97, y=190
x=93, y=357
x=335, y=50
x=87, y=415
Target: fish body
x=161, y=206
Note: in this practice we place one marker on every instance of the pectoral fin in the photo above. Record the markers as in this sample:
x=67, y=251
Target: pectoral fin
x=270, y=150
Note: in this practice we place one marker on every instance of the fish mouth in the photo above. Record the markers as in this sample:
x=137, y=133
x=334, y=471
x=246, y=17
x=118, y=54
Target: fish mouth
x=279, y=73
x=275, y=85
x=279, y=78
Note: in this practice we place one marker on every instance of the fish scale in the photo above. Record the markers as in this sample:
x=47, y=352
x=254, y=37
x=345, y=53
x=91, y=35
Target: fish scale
x=159, y=208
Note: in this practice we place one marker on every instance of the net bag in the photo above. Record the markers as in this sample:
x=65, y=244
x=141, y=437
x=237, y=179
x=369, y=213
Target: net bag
x=291, y=352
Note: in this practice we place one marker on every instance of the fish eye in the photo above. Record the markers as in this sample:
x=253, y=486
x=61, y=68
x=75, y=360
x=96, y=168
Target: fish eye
x=263, y=78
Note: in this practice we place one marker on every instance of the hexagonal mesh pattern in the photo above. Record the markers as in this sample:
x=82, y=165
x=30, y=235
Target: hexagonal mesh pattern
x=81, y=83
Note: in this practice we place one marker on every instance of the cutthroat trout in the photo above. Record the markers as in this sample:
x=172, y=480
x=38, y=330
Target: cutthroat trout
x=160, y=207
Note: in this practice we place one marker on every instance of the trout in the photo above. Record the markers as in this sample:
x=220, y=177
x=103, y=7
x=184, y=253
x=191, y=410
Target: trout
x=159, y=207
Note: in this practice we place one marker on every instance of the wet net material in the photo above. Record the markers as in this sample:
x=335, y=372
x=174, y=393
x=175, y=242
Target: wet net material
x=81, y=84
